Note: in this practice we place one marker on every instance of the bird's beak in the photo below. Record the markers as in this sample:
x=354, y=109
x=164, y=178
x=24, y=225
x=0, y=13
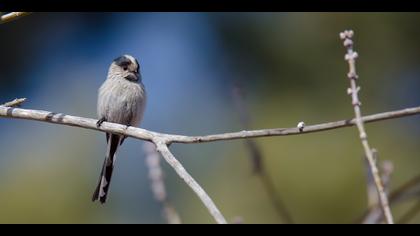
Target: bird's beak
x=133, y=76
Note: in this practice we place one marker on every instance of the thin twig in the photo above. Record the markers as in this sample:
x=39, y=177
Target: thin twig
x=375, y=216
x=372, y=193
x=15, y=103
x=12, y=16
x=163, y=149
x=410, y=214
x=245, y=119
x=407, y=191
x=157, y=184
x=387, y=169
x=275, y=198
x=257, y=159
x=351, y=56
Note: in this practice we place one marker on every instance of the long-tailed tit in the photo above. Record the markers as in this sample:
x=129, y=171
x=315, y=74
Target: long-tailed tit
x=121, y=99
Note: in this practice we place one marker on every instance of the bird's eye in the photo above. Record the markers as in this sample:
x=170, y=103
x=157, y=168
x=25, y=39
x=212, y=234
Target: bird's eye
x=125, y=68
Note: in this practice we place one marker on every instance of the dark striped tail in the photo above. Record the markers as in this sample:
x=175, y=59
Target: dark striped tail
x=102, y=188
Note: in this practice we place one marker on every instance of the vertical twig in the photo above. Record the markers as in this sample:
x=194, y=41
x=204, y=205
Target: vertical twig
x=257, y=159
x=372, y=193
x=350, y=57
x=245, y=119
x=157, y=184
x=163, y=149
x=375, y=213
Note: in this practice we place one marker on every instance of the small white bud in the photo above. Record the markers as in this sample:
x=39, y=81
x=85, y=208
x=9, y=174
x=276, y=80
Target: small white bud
x=301, y=126
x=347, y=42
x=347, y=57
x=355, y=55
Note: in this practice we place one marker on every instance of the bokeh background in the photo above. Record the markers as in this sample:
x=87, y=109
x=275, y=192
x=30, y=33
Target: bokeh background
x=289, y=66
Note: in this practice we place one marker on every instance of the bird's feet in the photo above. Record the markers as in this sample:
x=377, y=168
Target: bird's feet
x=100, y=121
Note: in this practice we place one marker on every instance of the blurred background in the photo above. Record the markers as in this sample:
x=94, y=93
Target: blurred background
x=288, y=67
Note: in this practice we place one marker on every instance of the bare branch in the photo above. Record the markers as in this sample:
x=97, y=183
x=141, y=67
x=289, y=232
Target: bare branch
x=158, y=185
x=294, y=130
x=372, y=193
x=387, y=168
x=245, y=118
x=12, y=16
x=143, y=134
x=163, y=149
x=15, y=103
x=408, y=191
x=166, y=139
x=163, y=140
x=350, y=57
x=410, y=214
x=375, y=215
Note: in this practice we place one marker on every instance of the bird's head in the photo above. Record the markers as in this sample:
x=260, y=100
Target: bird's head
x=127, y=67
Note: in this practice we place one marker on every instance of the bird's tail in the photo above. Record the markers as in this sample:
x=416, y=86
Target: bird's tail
x=102, y=188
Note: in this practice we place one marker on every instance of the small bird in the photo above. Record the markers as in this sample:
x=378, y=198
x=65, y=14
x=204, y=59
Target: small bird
x=121, y=99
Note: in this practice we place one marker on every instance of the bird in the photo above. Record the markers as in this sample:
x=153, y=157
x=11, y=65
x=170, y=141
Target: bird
x=121, y=99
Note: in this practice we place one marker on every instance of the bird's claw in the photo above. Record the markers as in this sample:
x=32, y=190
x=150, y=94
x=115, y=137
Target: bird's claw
x=100, y=121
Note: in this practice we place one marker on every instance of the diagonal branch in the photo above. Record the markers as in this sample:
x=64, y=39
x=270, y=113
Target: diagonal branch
x=351, y=56
x=258, y=160
x=410, y=214
x=163, y=149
